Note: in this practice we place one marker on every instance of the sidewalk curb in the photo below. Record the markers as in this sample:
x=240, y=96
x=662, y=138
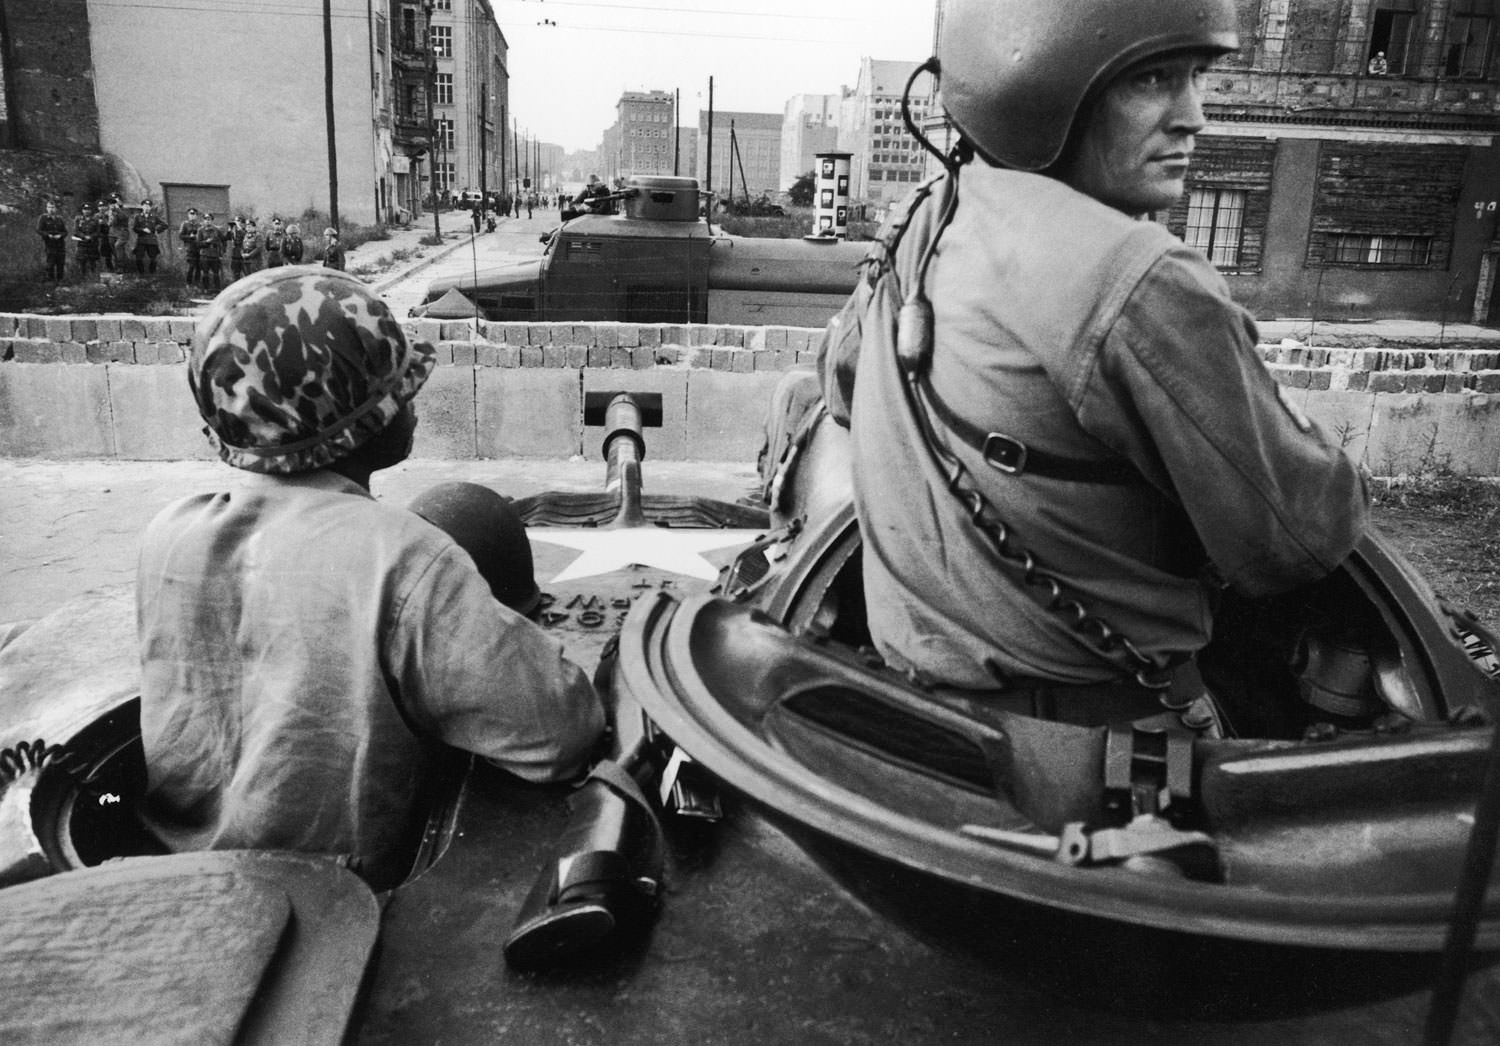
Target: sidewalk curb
x=437, y=255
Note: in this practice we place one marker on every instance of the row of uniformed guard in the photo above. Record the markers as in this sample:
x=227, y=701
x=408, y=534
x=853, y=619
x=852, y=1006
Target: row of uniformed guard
x=102, y=238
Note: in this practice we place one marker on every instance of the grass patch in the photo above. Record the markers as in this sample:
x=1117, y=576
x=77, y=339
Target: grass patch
x=796, y=223
x=1442, y=493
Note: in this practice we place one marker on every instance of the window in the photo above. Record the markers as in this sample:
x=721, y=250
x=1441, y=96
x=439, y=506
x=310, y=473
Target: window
x=409, y=26
x=444, y=88
x=443, y=5
x=442, y=40
x=1470, y=31
x=1216, y=224
x=1391, y=33
x=445, y=134
x=1365, y=249
x=442, y=176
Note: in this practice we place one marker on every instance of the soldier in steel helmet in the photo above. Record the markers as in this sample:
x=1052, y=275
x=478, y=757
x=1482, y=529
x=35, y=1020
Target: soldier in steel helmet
x=310, y=656
x=1120, y=451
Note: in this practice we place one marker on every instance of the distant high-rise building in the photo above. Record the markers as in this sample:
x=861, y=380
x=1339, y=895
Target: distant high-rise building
x=641, y=140
x=809, y=125
x=757, y=139
x=886, y=161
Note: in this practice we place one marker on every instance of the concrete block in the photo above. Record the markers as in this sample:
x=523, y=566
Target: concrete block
x=445, y=414
x=108, y=328
x=726, y=412
x=32, y=327
x=607, y=335
x=742, y=361
x=578, y=356
x=528, y=412
x=1344, y=418
x=598, y=356
x=667, y=442
x=802, y=339
x=58, y=328
x=619, y=358
x=487, y=354
x=650, y=335
x=428, y=330
x=154, y=418
x=775, y=337
x=1404, y=430
x=674, y=335
x=7, y=324
x=158, y=328
x=629, y=335
x=183, y=328
x=734, y=337
x=54, y=412
x=463, y=353
x=132, y=329
x=458, y=330
x=36, y=350
x=720, y=358
x=84, y=329
x=532, y=356
x=73, y=352
x=554, y=355
x=1469, y=433
x=665, y=355
x=1388, y=381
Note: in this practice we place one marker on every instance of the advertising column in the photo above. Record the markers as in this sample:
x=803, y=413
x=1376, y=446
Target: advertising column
x=831, y=196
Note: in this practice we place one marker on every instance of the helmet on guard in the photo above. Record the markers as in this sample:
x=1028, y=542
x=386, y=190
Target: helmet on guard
x=1015, y=73
x=487, y=527
x=293, y=368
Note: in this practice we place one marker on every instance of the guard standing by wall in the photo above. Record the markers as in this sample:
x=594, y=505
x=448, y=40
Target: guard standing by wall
x=54, y=233
x=86, y=235
x=210, y=254
x=187, y=235
x=147, y=224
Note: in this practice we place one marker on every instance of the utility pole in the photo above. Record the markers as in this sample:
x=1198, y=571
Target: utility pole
x=676, y=131
x=484, y=113
x=708, y=174
x=333, y=156
x=502, y=149
x=432, y=149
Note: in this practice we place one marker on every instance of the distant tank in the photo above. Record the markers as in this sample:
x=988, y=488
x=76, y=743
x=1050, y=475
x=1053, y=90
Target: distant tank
x=658, y=261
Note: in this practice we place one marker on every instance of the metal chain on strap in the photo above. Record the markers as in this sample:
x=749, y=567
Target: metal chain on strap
x=914, y=336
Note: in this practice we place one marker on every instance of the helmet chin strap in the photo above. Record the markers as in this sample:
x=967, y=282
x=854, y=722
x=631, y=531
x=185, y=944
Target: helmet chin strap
x=962, y=152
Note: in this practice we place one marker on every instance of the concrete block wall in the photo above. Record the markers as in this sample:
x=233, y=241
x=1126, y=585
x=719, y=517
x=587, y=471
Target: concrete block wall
x=116, y=387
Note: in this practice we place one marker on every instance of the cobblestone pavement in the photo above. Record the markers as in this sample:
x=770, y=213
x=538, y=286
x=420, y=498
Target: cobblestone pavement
x=68, y=527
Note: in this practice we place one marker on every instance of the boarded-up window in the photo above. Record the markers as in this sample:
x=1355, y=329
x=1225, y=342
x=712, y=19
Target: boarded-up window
x=1378, y=194
x=1227, y=205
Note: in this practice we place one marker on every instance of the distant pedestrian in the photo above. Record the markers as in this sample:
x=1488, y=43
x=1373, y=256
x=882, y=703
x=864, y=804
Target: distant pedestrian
x=478, y=216
x=275, y=244
x=187, y=235
x=54, y=233
x=252, y=246
x=86, y=236
x=210, y=254
x=291, y=250
x=333, y=250
x=146, y=226
x=530, y=203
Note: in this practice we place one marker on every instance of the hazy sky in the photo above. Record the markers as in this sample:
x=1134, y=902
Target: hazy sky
x=566, y=78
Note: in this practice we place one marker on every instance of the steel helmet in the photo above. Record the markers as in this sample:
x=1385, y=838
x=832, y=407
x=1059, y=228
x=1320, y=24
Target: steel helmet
x=293, y=368
x=487, y=527
x=1014, y=73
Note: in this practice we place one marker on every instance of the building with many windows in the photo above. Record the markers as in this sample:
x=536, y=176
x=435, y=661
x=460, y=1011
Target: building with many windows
x=809, y=126
x=885, y=160
x=746, y=153
x=1350, y=167
x=641, y=140
x=472, y=94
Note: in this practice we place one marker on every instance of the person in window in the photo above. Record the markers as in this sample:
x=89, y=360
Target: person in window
x=310, y=656
x=1085, y=375
x=1378, y=65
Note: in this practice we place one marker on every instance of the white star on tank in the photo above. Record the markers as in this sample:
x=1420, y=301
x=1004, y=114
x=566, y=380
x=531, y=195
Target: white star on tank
x=605, y=550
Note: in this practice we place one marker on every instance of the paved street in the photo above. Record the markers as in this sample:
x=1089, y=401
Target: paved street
x=462, y=252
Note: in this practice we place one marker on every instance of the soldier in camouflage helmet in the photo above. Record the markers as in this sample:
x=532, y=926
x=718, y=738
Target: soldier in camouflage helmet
x=310, y=656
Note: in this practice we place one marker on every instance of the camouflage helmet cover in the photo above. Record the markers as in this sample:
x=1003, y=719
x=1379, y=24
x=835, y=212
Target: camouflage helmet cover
x=293, y=368
x=1015, y=73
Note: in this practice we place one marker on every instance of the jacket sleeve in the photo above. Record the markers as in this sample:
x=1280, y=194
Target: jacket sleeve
x=1183, y=393
x=480, y=677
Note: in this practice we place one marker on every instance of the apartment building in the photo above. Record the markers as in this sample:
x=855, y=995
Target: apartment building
x=885, y=160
